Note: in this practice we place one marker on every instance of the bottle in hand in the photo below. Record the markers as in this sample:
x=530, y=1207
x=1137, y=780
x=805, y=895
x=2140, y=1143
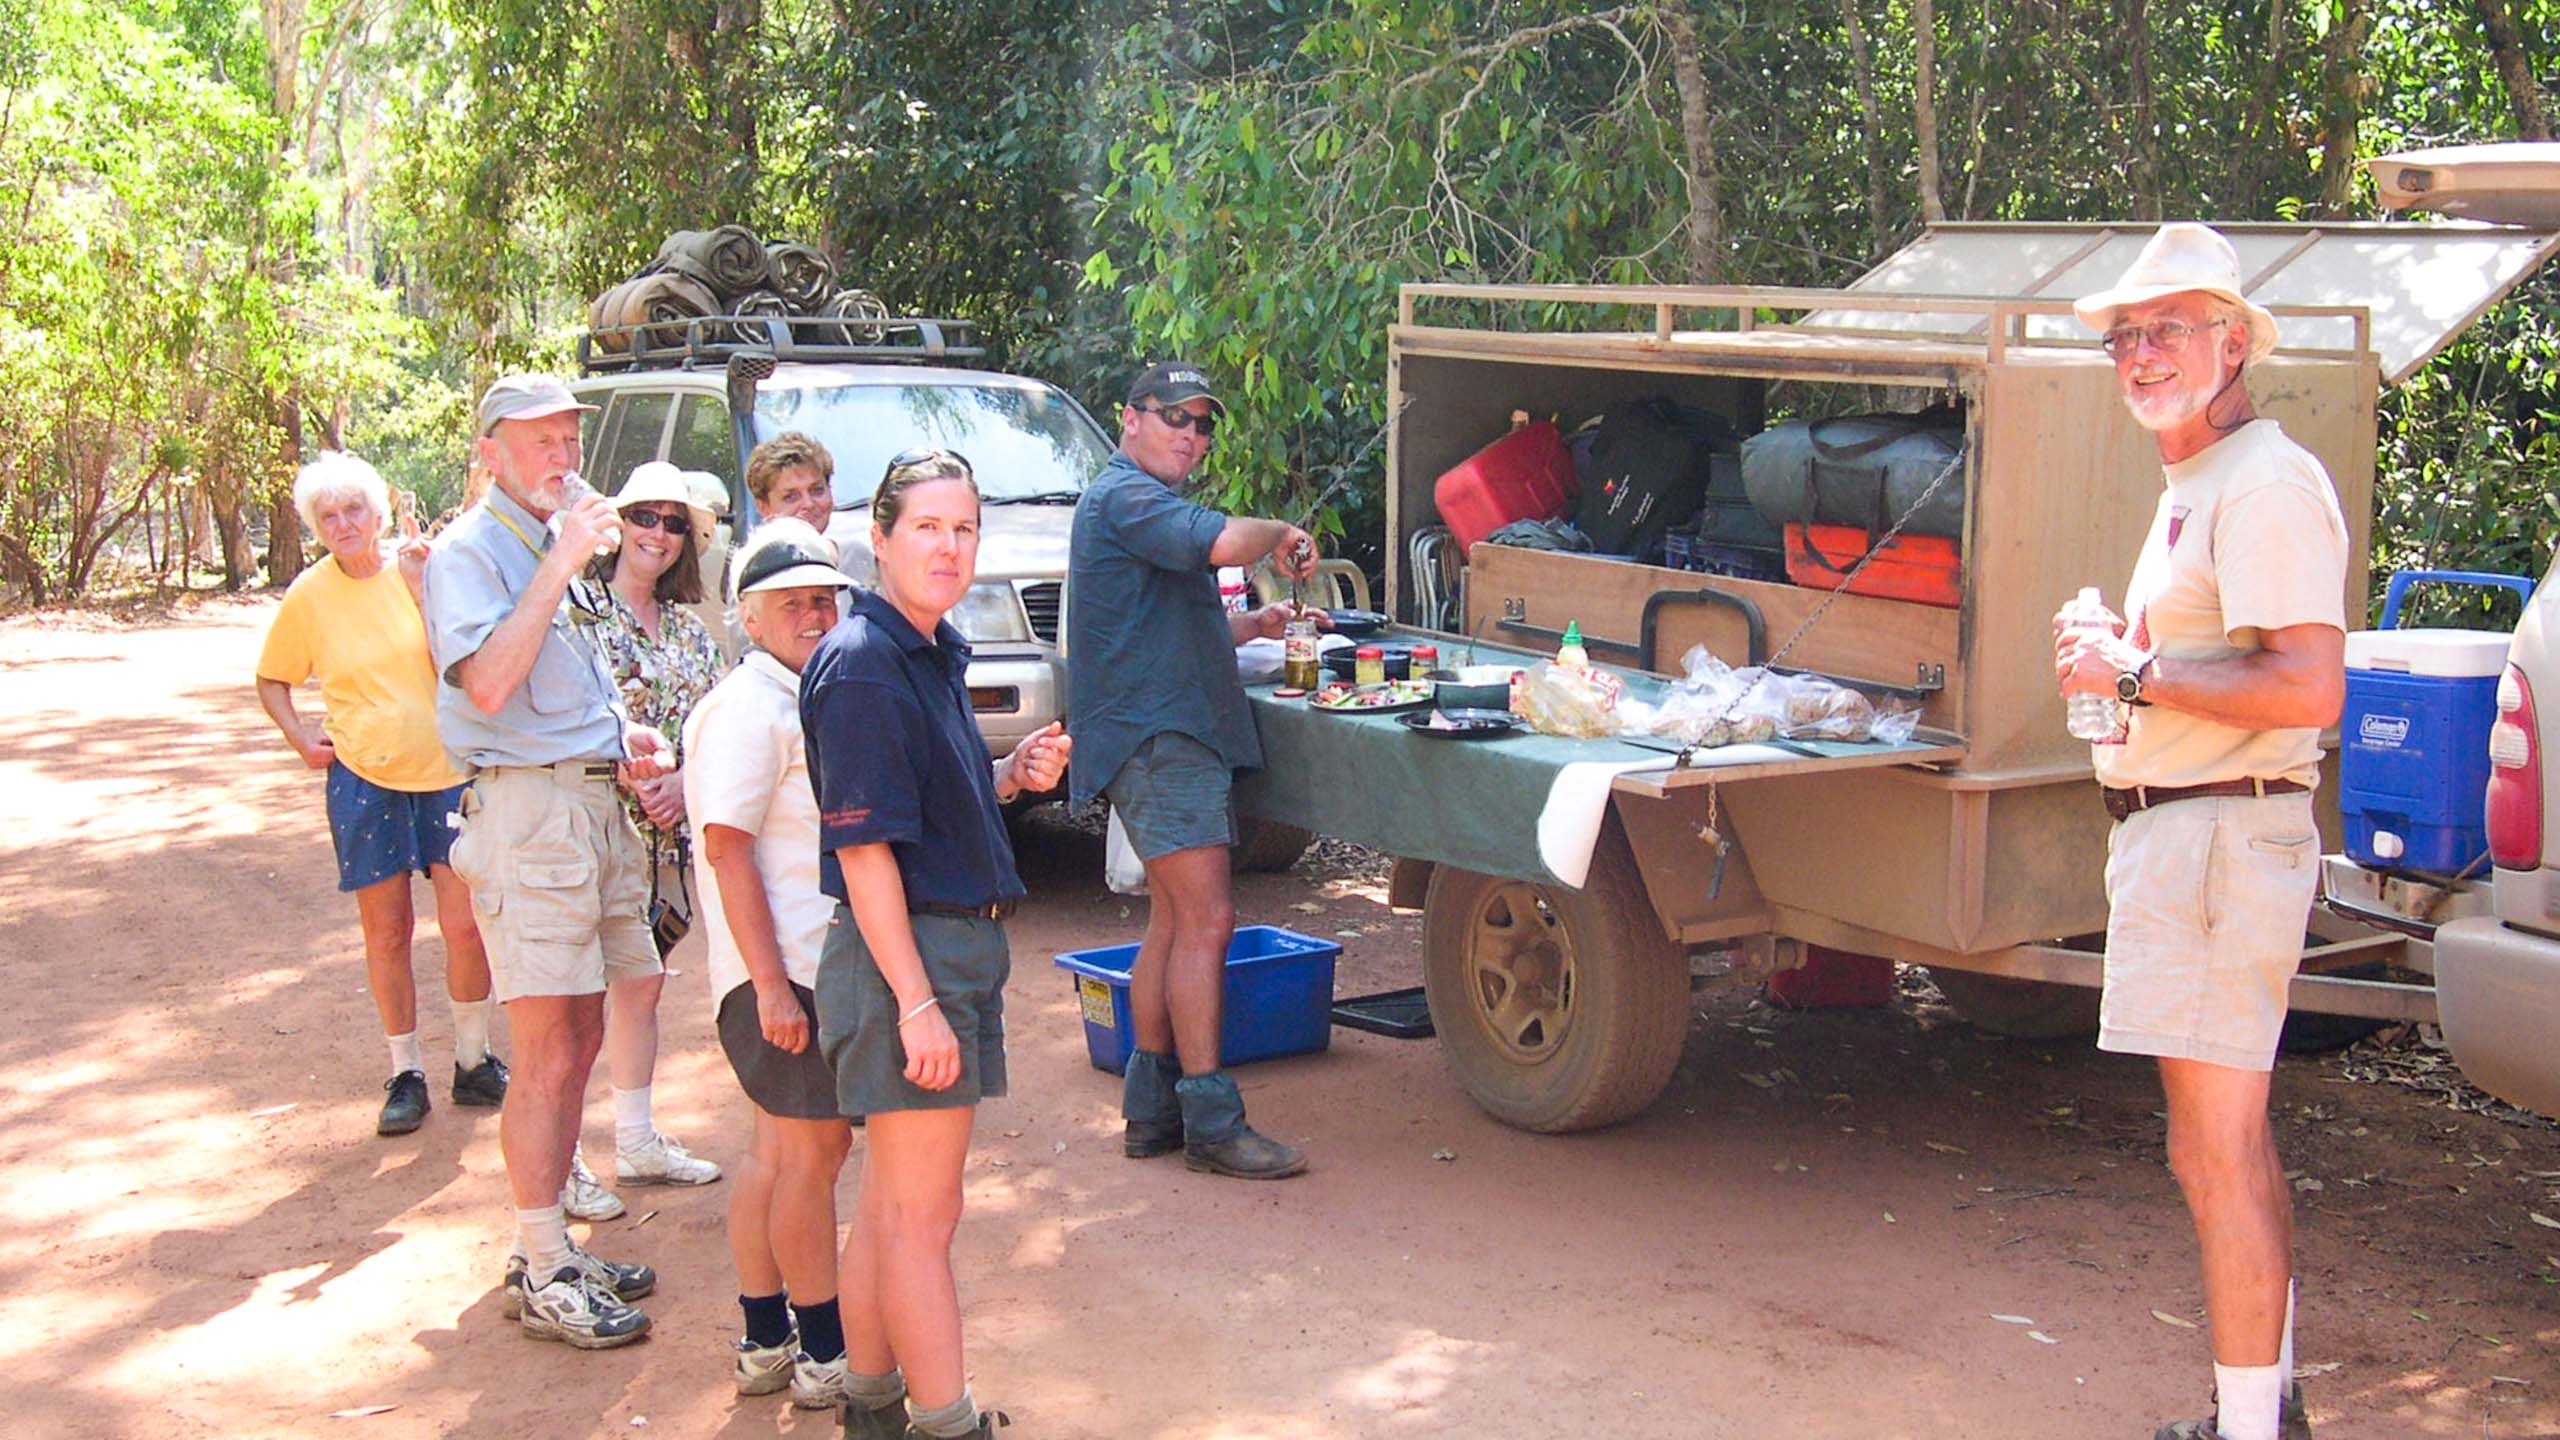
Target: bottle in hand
x=2096, y=718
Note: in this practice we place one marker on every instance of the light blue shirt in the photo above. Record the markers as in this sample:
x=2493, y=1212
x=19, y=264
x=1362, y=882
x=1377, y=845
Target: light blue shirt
x=566, y=708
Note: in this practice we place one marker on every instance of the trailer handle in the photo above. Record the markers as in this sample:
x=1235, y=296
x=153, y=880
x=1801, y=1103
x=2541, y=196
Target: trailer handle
x=1515, y=621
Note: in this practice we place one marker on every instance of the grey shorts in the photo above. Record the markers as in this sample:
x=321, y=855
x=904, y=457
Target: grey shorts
x=1174, y=794
x=2206, y=904
x=967, y=962
x=795, y=1087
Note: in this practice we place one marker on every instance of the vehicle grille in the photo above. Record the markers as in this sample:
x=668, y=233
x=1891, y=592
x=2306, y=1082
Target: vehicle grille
x=1040, y=601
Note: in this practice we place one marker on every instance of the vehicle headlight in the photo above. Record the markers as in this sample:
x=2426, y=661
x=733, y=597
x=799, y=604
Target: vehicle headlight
x=990, y=612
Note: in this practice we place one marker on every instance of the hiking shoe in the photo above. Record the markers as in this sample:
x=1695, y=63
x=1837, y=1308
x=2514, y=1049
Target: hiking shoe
x=763, y=1369
x=661, y=1161
x=1246, y=1154
x=572, y=1309
x=626, y=1282
x=584, y=1197
x=817, y=1384
x=483, y=1086
x=407, y=1107
x=2293, y=1422
x=1146, y=1139
x=884, y=1421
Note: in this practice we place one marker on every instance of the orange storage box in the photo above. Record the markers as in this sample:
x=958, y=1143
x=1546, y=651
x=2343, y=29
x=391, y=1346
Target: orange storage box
x=1924, y=568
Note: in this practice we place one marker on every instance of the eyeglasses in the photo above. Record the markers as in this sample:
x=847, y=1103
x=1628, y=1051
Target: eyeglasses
x=1206, y=422
x=930, y=455
x=675, y=523
x=2169, y=337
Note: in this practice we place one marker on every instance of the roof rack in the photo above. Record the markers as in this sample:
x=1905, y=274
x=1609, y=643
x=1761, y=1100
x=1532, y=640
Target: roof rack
x=706, y=342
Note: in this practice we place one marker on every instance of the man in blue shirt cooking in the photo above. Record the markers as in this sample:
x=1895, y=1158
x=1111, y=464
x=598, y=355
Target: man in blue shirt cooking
x=1162, y=729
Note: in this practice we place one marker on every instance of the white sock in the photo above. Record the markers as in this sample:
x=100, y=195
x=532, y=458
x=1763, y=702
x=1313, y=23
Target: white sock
x=2247, y=1400
x=405, y=1056
x=542, y=1233
x=2284, y=1358
x=631, y=1124
x=471, y=1029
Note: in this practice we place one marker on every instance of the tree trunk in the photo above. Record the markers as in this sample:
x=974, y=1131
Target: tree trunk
x=1697, y=142
x=1924, y=105
x=284, y=522
x=2342, y=96
x=2515, y=67
x=1864, y=68
x=2253, y=128
x=2146, y=112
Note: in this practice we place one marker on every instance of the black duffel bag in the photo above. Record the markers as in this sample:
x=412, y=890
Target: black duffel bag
x=1645, y=470
x=1867, y=471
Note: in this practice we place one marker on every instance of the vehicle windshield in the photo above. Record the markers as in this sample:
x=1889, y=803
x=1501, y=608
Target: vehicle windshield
x=1023, y=441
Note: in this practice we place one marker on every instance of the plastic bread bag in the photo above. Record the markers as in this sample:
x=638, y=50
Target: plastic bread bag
x=1558, y=701
x=1715, y=705
x=1817, y=709
x=1896, y=722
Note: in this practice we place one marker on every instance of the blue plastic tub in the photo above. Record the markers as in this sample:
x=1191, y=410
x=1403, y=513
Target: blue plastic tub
x=2413, y=753
x=1279, y=997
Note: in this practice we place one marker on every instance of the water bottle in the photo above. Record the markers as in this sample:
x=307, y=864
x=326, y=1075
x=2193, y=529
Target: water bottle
x=2096, y=718
x=574, y=488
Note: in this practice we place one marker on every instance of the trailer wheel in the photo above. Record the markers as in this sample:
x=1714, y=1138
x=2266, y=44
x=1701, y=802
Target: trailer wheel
x=1268, y=844
x=2027, y=1009
x=1559, y=1009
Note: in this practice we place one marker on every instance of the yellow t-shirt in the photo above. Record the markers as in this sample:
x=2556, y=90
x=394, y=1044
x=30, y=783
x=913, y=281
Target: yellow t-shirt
x=364, y=639
x=2248, y=538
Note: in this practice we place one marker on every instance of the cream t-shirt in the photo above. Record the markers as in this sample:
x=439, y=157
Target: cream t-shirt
x=745, y=767
x=2248, y=537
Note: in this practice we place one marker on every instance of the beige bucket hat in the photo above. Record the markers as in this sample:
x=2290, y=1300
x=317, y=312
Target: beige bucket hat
x=2180, y=257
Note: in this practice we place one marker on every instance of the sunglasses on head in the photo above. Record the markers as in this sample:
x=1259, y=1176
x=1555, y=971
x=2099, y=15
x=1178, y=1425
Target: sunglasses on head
x=1206, y=422
x=673, y=524
x=931, y=455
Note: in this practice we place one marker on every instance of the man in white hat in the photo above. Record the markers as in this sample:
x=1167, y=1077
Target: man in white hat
x=2229, y=659
x=559, y=880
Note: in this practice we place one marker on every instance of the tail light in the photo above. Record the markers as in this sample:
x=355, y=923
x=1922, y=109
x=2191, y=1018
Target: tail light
x=2515, y=778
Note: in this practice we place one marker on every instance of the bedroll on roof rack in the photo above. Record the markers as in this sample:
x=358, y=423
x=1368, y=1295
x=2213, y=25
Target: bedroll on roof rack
x=705, y=342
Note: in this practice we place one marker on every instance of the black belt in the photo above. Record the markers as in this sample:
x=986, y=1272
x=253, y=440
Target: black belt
x=2121, y=803
x=992, y=910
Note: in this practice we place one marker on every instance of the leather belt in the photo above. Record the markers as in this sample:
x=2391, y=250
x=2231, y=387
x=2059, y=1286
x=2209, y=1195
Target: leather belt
x=2121, y=803
x=992, y=910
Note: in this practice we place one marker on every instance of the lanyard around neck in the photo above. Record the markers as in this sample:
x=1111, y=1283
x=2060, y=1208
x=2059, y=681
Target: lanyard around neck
x=516, y=530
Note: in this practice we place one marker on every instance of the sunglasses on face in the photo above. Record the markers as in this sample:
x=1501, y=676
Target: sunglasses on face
x=673, y=524
x=1206, y=423
x=2169, y=337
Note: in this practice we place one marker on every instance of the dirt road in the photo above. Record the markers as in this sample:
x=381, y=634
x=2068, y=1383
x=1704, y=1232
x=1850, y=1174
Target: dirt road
x=1844, y=1224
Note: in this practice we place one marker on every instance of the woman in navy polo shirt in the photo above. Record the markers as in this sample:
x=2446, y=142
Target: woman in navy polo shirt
x=911, y=975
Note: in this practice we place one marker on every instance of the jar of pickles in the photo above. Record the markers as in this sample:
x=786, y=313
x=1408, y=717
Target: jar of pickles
x=1298, y=668
x=1369, y=666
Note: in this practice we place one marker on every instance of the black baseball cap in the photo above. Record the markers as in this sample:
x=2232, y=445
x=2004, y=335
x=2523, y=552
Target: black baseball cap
x=1173, y=382
x=787, y=554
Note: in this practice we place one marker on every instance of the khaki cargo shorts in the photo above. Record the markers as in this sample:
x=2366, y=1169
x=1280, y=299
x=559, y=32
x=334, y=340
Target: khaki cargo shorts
x=559, y=881
x=2206, y=903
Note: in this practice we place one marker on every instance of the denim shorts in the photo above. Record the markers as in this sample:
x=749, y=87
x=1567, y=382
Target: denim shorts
x=1174, y=794
x=967, y=963
x=382, y=833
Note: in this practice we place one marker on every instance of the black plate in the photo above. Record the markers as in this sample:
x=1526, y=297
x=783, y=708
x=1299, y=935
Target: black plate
x=1352, y=624
x=1464, y=724
x=1342, y=661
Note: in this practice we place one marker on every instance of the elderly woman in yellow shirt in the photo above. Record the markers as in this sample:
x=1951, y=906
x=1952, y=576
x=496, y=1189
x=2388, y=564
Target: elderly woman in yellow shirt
x=352, y=622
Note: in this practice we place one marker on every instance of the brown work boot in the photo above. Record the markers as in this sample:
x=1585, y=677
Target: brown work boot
x=1216, y=1140
x=2293, y=1422
x=1148, y=1104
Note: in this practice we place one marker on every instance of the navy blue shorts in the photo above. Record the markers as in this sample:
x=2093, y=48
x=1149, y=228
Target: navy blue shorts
x=383, y=833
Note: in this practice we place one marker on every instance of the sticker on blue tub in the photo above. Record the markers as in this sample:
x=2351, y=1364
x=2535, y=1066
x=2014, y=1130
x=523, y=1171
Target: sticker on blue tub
x=1096, y=998
x=2383, y=732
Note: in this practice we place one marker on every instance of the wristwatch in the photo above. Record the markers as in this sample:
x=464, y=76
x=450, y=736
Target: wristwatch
x=2129, y=682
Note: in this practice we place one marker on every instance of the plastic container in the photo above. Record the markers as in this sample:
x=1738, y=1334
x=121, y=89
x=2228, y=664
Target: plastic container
x=2413, y=740
x=1925, y=568
x=1525, y=475
x=1279, y=997
x=1833, y=980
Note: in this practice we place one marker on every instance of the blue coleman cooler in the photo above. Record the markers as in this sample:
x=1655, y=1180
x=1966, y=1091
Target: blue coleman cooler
x=2413, y=743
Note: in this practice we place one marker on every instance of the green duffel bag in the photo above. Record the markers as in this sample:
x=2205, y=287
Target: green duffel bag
x=1867, y=471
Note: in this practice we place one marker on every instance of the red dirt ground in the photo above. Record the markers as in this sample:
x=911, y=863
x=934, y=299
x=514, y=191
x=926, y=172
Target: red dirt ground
x=202, y=1237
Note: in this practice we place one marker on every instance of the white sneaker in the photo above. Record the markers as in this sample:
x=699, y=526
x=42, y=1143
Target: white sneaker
x=627, y=1282
x=661, y=1161
x=763, y=1369
x=818, y=1384
x=572, y=1309
x=584, y=1196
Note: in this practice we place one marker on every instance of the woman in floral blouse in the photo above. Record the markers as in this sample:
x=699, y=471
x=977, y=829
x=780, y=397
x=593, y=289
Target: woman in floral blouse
x=664, y=660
